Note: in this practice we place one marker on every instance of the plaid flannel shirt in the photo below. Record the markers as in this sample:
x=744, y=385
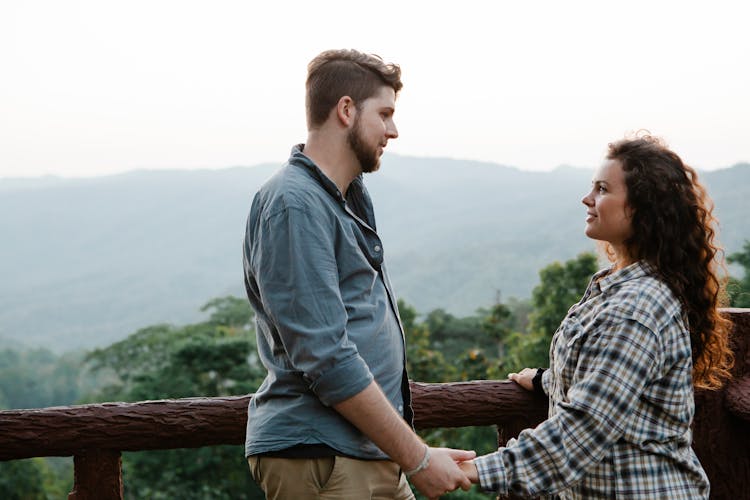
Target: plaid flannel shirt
x=620, y=402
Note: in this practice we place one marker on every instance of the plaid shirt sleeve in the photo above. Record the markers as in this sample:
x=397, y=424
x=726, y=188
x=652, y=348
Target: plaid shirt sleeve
x=610, y=366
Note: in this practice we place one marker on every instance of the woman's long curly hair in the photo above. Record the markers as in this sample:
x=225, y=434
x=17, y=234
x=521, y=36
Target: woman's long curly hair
x=673, y=229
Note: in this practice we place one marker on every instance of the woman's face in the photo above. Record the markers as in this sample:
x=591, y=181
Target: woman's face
x=608, y=215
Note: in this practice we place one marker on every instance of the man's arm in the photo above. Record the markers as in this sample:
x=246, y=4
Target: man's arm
x=299, y=288
x=371, y=413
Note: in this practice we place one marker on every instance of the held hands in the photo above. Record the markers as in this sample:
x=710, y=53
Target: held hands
x=443, y=473
x=524, y=378
x=470, y=469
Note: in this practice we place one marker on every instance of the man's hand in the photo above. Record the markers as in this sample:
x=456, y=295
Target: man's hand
x=443, y=474
x=524, y=378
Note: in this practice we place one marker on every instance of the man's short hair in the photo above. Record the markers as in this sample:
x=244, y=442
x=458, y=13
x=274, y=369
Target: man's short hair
x=347, y=72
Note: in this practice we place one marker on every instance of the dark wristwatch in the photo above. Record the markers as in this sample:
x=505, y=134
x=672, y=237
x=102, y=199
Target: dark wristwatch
x=537, y=381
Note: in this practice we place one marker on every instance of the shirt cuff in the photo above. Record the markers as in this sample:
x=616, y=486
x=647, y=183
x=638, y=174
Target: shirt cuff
x=545, y=381
x=347, y=379
x=491, y=471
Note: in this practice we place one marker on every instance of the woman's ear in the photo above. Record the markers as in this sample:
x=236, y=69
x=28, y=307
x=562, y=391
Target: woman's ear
x=629, y=211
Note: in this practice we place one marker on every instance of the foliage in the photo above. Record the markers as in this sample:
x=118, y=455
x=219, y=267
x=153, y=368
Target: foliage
x=561, y=286
x=208, y=473
x=36, y=479
x=452, y=336
x=21, y=480
x=213, y=358
x=423, y=362
x=739, y=289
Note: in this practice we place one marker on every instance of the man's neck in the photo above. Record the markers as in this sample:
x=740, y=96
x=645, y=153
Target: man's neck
x=334, y=158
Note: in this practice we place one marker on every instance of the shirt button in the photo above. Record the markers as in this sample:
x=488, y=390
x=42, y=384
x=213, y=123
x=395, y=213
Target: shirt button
x=401, y=408
x=377, y=248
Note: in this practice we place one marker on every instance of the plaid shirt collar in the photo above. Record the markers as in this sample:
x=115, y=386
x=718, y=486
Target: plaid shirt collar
x=608, y=278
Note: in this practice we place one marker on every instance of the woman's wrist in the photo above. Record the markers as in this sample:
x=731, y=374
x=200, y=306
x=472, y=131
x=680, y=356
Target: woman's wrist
x=536, y=382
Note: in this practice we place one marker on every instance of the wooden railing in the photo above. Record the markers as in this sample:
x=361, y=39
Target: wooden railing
x=96, y=434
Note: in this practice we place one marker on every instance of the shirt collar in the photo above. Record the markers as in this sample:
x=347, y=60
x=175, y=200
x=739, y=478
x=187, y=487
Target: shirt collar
x=607, y=278
x=300, y=159
x=357, y=199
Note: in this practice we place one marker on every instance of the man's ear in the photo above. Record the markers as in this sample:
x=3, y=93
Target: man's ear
x=345, y=110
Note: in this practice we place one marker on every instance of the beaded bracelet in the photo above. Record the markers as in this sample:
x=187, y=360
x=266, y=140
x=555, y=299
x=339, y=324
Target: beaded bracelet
x=422, y=465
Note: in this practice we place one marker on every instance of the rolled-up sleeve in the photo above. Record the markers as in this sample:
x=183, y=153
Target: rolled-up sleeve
x=294, y=260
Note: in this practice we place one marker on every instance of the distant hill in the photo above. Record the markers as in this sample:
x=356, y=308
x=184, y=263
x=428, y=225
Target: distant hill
x=85, y=262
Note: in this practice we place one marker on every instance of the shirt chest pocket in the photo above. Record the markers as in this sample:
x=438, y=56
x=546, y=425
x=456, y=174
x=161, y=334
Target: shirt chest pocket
x=359, y=257
x=566, y=350
x=370, y=247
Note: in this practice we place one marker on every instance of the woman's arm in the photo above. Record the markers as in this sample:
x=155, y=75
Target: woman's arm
x=612, y=368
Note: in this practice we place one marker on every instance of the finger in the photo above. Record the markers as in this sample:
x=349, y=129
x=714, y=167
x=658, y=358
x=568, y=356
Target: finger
x=465, y=484
x=461, y=455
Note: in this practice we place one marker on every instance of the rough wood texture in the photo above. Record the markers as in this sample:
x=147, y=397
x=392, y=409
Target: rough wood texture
x=722, y=439
x=97, y=476
x=148, y=425
x=738, y=398
x=484, y=402
x=194, y=422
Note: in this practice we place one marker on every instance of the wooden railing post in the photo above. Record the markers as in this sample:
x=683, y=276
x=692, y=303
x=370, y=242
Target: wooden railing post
x=97, y=475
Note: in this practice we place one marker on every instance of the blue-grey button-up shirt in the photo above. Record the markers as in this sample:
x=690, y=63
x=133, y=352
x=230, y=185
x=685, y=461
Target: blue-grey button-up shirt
x=326, y=316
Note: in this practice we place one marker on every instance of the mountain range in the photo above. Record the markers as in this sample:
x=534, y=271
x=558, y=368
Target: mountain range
x=85, y=262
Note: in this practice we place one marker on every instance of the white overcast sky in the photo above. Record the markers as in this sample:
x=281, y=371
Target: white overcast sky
x=93, y=87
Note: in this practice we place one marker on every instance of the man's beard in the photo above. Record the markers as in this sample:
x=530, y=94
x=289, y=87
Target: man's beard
x=368, y=158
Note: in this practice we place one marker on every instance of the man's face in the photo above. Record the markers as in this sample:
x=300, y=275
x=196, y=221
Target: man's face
x=372, y=127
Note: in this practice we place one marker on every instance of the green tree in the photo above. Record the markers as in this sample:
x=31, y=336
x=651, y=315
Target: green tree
x=561, y=286
x=739, y=289
x=22, y=480
x=423, y=363
x=497, y=323
x=454, y=336
x=214, y=358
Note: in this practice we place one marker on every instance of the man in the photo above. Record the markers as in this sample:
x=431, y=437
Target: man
x=332, y=418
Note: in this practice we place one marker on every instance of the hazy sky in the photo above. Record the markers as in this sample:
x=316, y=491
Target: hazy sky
x=94, y=87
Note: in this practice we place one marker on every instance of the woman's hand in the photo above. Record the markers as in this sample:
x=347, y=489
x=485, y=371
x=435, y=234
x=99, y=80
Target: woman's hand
x=524, y=378
x=470, y=470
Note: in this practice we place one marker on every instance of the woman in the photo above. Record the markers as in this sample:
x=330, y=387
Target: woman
x=625, y=359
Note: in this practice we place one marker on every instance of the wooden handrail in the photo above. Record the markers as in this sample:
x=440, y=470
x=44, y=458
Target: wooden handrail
x=96, y=434
x=195, y=422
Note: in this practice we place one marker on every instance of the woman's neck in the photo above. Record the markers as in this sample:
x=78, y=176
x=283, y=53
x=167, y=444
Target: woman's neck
x=622, y=257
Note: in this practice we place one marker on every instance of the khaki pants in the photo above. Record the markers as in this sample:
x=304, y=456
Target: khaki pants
x=329, y=478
